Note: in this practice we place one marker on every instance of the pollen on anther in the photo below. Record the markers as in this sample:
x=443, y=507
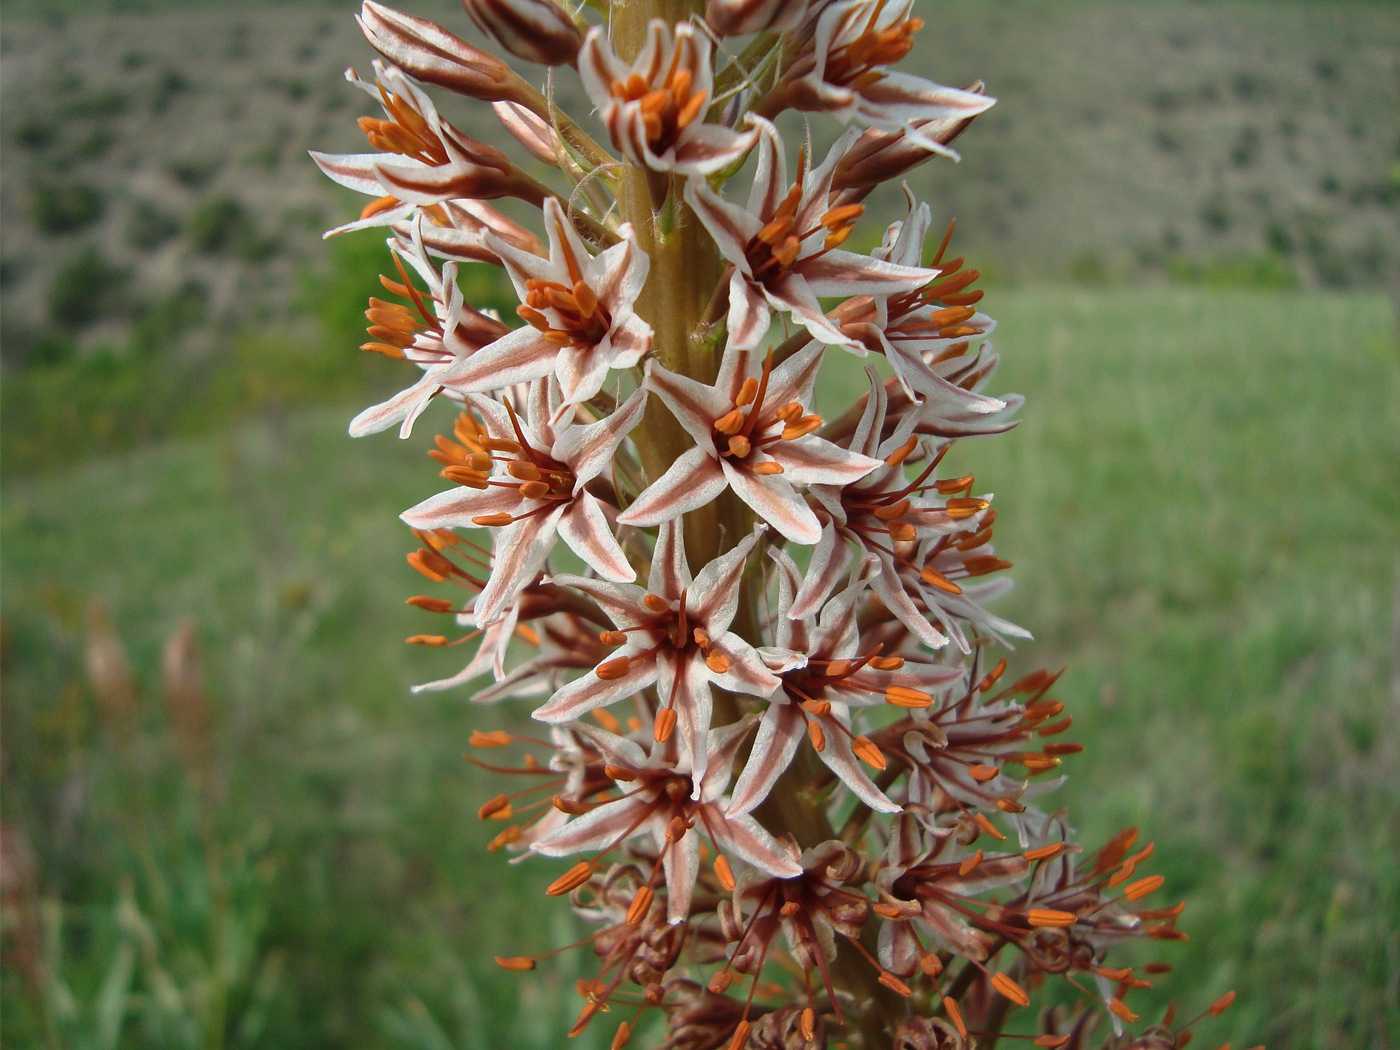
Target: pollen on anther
x=894, y=984
x=570, y=880
x=1119, y=1007
x=665, y=724
x=724, y=873
x=1008, y=988
x=1222, y=1004
x=955, y=1015
x=488, y=738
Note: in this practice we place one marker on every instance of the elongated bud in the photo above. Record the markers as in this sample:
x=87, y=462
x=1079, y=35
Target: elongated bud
x=429, y=53
x=527, y=129
x=739, y=17
x=879, y=156
x=535, y=30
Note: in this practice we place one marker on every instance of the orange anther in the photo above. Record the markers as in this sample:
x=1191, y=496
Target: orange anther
x=894, y=984
x=724, y=873
x=570, y=880
x=611, y=670
x=1143, y=887
x=955, y=1015
x=1222, y=1004
x=868, y=753
x=488, y=738
x=1119, y=1007
x=903, y=696
x=1050, y=917
x=664, y=725
x=1010, y=989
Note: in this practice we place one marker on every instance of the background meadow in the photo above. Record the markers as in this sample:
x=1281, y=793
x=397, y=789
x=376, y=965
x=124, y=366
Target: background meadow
x=226, y=822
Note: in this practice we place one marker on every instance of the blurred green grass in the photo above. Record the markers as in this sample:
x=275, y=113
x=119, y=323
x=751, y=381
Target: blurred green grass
x=1202, y=506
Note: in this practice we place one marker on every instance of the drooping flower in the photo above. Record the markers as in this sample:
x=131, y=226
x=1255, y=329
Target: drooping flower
x=674, y=635
x=579, y=311
x=525, y=473
x=753, y=434
x=655, y=106
x=921, y=330
x=664, y=799
x=925, y=537
x=784, y=247
x=844, y=71
x=879, y=156
x=810, y=910
x=419, y=157
x=433, y=328
x=938, y=892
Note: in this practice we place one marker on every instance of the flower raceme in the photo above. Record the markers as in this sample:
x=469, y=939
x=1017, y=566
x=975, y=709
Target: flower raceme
x=798, y=797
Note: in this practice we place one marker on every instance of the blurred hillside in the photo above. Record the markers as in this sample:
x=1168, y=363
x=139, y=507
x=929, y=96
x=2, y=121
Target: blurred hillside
x=157, y=194
x=224, y=821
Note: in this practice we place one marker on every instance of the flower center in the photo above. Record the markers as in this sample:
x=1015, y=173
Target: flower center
x=774, y=250
x=858, y=62
x=405, y=132
x=569, y=316
x=746, y=428
x=667, y=109
x=477, y=459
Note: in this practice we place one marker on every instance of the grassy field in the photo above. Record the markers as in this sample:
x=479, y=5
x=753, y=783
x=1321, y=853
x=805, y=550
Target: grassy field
x=1202, y=505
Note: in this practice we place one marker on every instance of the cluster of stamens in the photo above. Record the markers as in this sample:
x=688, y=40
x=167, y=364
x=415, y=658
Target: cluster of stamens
x=405, y=133
x=579, y=318
x=859, y=63
x=874, y=514
x=667, y=109
x=773, y=250
x=393, y=327
x=475, y=457
x=669, y=626
x=745, y=428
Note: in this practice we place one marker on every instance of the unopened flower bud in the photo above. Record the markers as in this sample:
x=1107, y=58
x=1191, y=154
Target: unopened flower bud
x=535, y=30
x=429, y=53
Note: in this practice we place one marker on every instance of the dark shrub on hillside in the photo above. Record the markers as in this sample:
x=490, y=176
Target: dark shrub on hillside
x=65, y=208
x=215, y=224
x=85, y=288
x=149, y=227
